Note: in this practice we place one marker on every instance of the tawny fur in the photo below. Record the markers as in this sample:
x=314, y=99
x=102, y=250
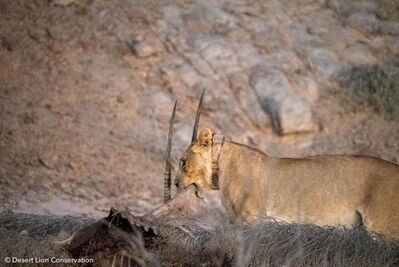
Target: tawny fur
x=190, y=171
x=324, y=190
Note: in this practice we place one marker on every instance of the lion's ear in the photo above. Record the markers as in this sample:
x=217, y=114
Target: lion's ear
x=205, y=137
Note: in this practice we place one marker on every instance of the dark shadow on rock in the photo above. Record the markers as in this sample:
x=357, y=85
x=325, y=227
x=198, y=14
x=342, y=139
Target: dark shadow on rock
x=271, y=107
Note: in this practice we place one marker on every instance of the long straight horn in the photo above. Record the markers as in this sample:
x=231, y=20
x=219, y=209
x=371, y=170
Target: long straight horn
x=168, y=166
x=197, y=117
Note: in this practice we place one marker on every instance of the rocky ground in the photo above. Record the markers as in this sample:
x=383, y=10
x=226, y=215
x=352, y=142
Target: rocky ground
x=87, y=89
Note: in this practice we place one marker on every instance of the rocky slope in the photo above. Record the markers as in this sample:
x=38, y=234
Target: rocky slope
x=87, y=88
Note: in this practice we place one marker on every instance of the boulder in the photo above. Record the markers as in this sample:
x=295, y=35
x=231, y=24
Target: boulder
x=288, y=112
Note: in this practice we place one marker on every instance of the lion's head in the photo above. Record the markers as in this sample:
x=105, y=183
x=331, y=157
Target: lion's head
x=196, y=162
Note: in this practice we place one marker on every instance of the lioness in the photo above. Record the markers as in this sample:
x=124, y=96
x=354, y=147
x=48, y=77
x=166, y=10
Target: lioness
x=324, y=190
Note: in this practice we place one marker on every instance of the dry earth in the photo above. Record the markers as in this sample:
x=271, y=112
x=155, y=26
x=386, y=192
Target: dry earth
x=87, y=88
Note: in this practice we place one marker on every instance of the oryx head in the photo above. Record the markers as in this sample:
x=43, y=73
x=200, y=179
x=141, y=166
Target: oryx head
x=196, y=166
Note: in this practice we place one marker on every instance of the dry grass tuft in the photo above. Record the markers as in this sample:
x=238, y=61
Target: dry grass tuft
x=375, y=87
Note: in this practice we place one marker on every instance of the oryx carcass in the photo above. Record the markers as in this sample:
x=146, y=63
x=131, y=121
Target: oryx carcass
x=191, y=230
x=326, y=190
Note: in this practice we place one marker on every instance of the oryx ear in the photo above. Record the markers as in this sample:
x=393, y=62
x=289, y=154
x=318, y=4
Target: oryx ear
x=205, y=137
